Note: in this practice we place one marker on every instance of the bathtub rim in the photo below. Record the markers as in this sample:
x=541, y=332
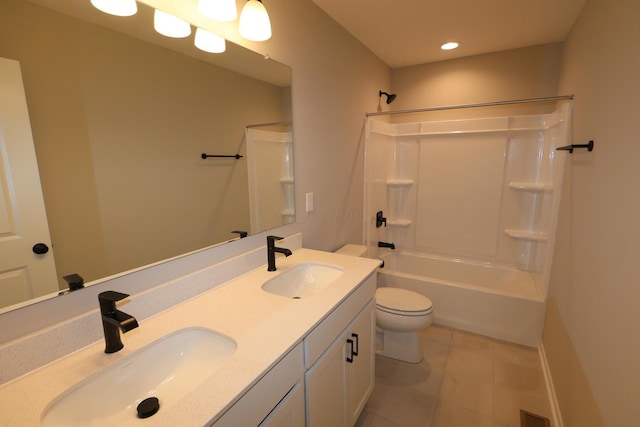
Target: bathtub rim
x=531, y=277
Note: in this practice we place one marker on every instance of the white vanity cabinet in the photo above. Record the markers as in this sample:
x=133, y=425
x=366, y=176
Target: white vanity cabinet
x=277, y=400
x=339, y=357
x=360, y=372
x=324, y=381
x=289, y=412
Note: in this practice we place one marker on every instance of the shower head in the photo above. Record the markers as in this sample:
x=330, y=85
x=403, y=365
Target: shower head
x=390, y=96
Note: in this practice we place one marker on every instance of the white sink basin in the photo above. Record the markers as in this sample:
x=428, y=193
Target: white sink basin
x=166, y=369
x=302, y=280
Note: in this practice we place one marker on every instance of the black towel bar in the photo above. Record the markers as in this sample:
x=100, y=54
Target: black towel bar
x=236, y=156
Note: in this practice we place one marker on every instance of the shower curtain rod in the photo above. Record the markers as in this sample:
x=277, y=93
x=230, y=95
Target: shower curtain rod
x=267, y=124
x=485, y=104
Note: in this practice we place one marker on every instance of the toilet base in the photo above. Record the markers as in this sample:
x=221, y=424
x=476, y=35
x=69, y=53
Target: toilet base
x=403, y=346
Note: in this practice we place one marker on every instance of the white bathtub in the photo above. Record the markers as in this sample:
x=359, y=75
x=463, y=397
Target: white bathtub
x=499, y=302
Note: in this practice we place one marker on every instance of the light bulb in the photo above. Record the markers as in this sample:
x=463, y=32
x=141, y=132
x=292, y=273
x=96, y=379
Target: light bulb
x=116, y=7
x=170, y=26
x=254, y=22
x=449, y=46
x=209, y=42
x=218, y=10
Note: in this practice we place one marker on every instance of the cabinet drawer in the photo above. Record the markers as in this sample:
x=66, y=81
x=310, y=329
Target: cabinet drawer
x=321, y=337
x=259, y=401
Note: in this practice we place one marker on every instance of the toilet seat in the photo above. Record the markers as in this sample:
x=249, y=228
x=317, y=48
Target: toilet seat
x=402, y=302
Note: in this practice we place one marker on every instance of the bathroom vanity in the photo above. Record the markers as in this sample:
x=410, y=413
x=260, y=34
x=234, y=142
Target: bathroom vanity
x=293, y=360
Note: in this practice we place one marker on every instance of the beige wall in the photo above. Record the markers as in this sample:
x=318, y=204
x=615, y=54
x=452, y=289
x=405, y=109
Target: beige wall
x=513, y=74
x=591, y=331
x=335, y=82
x=119, y=129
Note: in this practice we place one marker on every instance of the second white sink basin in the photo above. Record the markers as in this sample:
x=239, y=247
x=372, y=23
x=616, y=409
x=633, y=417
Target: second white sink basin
x=166, y=369
x=303, y=280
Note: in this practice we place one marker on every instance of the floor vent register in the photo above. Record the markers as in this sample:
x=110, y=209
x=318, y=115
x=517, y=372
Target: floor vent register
x=528, y=419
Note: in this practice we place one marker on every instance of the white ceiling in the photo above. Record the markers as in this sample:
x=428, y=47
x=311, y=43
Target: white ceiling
x=410, y=32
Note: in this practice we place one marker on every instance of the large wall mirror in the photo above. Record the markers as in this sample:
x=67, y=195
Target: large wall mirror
x=120, y=118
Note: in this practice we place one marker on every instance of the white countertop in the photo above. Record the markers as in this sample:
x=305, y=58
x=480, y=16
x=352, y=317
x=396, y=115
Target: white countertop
x=264, y=326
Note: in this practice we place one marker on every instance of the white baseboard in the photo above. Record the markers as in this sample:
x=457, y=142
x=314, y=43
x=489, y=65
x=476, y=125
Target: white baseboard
x=551, y=391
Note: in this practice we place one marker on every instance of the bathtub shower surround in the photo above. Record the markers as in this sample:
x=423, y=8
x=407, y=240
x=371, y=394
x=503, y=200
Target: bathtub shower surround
x=270, y=175
x=471, y=206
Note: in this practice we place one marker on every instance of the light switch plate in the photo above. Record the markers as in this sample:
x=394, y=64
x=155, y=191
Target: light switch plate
x=309, y=200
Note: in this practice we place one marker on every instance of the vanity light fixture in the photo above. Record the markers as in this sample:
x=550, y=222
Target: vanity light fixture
x=218, y=10
x=254, y=21
x=449, y=46
x=116, y=7
x=169, y=25
x=209, y=42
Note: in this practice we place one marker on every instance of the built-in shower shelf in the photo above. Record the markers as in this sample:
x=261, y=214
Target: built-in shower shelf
x=531, y=236
x=288, y=212
x=398, y=222
x=531, y=186
x=399, y=182
x=286, y=180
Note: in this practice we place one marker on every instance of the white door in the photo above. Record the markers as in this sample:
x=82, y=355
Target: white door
x=23, y=223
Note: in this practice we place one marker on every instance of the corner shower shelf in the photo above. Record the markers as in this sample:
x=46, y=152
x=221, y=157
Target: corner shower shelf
x=288, y=212
x=399, y=182
x=286, y=180
x=398, y=222
x=532, y=236
x=531, y=186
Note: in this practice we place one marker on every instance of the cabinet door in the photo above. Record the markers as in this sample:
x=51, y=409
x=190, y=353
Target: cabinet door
x=325, y=388
x=360, y=373
x=289, y=412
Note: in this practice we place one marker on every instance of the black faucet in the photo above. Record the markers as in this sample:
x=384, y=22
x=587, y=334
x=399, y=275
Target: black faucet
x=271, y=252
x=114, y=320
x=386, y=245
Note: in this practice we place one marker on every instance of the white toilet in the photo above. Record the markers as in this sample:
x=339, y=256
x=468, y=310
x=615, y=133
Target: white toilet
x=400, y=314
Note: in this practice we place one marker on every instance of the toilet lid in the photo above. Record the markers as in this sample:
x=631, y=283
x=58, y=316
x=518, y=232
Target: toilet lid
x=397, y=299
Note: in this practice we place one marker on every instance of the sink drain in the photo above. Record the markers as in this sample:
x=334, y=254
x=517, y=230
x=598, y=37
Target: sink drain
x=148, y=407
x=296, y=297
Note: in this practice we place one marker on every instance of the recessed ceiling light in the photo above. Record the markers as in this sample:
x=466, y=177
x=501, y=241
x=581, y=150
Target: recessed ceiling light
x=449, y=46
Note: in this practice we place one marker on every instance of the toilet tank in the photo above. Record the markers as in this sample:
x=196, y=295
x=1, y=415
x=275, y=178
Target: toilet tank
x=353, y=250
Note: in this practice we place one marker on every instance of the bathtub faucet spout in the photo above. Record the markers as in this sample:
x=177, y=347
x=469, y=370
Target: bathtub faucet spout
x=386, y=245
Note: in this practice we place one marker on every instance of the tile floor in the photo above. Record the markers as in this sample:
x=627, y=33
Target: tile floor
x=465, y=380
